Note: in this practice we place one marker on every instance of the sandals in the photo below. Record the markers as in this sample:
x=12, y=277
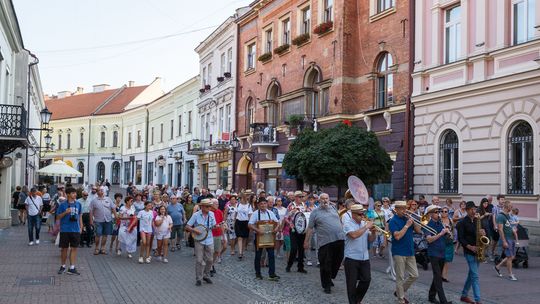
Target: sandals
x=103, y=252
x=96, y=252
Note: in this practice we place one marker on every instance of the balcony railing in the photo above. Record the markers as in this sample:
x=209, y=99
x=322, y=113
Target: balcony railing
x=197, y=146
x=264, y=135
x=13, y=121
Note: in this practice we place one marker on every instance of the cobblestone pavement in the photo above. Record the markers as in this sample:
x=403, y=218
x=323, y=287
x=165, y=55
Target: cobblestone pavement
x=29, y=276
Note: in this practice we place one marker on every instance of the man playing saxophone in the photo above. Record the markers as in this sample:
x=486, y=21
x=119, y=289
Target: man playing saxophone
x=468, y=230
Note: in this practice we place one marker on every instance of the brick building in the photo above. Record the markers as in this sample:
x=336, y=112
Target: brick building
x=313, y=64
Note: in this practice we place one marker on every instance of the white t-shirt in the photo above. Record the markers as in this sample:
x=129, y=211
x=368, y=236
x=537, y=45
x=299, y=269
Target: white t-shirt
x=33, y=207
x=243, y=211
x=164, y=227
x=145, y=218
x=125, y=212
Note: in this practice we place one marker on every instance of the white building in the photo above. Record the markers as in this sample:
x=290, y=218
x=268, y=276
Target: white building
x=216, y=105
x=19, y=111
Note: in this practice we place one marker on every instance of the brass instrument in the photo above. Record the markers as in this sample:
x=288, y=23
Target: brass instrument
x=422, y=221
x=384, y=232
x=482, y=242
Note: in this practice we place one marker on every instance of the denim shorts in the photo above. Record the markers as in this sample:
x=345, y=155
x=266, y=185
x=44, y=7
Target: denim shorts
x=511, y=250
x=103, y=228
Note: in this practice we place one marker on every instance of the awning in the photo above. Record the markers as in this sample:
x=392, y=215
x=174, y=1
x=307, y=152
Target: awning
x=59, y=168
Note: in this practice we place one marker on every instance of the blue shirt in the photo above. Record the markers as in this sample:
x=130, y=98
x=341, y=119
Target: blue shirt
x=208, y=221
x=437, y=248
x=66, y=225
x=176, y=211
x=356, y=249
x=405, y=245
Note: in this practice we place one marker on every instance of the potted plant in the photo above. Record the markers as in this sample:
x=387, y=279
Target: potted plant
x=220, y=78
x=295, y=120
x=227, y=74
x=265, y=57
x=323, y=27
x=301, y=39
x=207, y=87
x=282, y=49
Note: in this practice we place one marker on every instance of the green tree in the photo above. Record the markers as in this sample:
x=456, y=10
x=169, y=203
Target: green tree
x=330, y=156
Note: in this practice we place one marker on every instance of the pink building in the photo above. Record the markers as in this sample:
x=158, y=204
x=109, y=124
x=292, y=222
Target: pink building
x=476, y=98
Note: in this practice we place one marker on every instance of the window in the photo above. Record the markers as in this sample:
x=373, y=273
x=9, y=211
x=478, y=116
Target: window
x=189, y=122
x=169, y=174
x=179, y=125
x=306, y=21
x=290, y=107
x=209, y=75
x=224, y=174
x=385, y=81
x=452, y=33
x=228, y=121
x=204, y=79
x=250, y=114
x=102, y=140
x=383, y=5
x=172, y=129
x=152, y=136
x=127, y=172
x=149, y=173
x=81, y=141
x=328, y=10
x=221, y=122
x=68, y=141
x=523, y=20
x=268, y=44
x=115, y=139
x=129, y=140
x=161, y=133
x=139, y=138
x=207, y=127
x=203, y=125
x=251, y=54
x=115, y=173
x=229, y=60
x=520, y=159
x=286, y=31
x=222, y=65
x=138, y=172
x=448, y=163
x=204, y=176
x=325, y=102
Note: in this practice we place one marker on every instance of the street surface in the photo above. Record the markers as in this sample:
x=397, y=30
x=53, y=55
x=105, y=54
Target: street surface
x=29, y=276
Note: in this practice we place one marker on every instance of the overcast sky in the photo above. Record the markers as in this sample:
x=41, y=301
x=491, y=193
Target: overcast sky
x=87, y=42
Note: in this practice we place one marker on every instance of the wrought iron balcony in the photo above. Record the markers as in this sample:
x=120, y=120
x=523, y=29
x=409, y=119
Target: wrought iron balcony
x=197, y=147
x=13, y=128
x=264, y=135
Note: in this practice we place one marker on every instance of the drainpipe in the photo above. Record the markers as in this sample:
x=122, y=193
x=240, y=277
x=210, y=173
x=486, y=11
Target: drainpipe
x=29, y=84
x=409, y=114
x=146, y=146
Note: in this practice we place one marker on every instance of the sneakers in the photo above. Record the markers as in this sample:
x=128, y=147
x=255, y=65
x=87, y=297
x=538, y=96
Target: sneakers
x=118, y=252
x=258, y=276
x=198, y=283
x=273, y=278
x=141, y=260
x=498, y=271
x=309, y=263
x=159, y=258
x=465, y=299
x=61, y=270
x=148, y=259
x=37, y=242
x=73, y=271
x=129, y=256
x=165, y=261
x=31, y=243
x=207, y=280
x=512, y=277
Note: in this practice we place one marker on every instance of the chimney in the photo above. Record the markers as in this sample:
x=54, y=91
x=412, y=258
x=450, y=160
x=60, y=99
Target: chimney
x=64, y=94
x=80, y=90
x=100, y=87
x=131, y=83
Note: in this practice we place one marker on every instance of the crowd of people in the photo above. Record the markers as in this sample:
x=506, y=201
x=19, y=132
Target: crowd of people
x=306, y=229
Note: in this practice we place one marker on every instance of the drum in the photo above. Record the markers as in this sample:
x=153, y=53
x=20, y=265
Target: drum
x=300, y=222
x=203, y=233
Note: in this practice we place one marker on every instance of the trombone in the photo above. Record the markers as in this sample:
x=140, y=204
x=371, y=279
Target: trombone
x=422, y=221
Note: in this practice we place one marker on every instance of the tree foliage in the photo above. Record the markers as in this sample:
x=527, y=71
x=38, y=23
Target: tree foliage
x=330, y=156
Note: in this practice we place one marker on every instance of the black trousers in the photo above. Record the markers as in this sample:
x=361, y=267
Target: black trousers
x=297, y=250
x=357, y=279
x=86, y=238
x=437, y=283
x=330, y=256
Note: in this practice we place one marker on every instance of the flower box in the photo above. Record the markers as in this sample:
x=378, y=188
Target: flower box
x=282, y=49
x=301, y=39
x=323, y=27
x=207, y=87
x=265, y=57
x=220, y=79
x=227, y=74
x=202, y=90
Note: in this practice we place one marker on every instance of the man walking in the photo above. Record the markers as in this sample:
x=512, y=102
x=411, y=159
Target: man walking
x=101, y=213
x=70, y=215
x=34, y=204
x=86, y=236
x=297, y=238
x=330, y=239
x=178, y=215
x=204, y=248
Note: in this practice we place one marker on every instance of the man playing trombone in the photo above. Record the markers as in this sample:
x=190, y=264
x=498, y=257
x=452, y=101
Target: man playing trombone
x=401, y=228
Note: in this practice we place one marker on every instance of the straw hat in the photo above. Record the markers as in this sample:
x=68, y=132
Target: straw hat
x=298, y=193
x=432, y=208
x=206, y=202
x=400, y=204
x=357, y=208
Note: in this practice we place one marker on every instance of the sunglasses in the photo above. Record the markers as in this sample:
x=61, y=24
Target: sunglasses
x=444, y=211
x=378, y=205
x=414, y=204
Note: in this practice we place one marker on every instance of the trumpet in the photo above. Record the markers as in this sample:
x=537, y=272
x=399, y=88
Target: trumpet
x=384, y=232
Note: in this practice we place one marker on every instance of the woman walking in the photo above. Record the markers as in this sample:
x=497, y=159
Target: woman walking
x=230, y=214
x=243, y=212
x=127, y=233
x=162, y=226
x=447, y=222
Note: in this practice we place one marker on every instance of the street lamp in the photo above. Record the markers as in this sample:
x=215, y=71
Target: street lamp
x=176, y=155
x=171, y=151
x=45, y=116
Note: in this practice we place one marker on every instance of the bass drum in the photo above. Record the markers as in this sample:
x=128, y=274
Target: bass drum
x=300, y=222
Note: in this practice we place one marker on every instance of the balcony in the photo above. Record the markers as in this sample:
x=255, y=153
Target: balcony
x=264, y=135
x=13, y=129
x=197, y=147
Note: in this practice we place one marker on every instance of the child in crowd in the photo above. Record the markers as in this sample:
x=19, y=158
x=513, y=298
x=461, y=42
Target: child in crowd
x=146, y=217
x=163, y=225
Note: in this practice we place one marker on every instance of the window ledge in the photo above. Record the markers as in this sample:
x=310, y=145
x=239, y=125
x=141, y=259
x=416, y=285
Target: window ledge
x=382, y=14
x=249, y=71
x=326, y=33
x=525, y=197
x=285, y=52
x=266, y=61
x=302, y=44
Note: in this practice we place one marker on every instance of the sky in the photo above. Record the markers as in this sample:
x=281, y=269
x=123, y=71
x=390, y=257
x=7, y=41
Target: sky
x=81, y=43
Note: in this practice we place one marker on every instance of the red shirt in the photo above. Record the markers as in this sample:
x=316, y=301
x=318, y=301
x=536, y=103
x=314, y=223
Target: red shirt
x=218, y=214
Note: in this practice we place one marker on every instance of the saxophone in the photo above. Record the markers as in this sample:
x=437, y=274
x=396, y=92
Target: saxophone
x=482, y=242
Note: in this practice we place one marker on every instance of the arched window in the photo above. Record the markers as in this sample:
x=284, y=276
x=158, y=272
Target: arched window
x=100, y=172
x=385, y=81
x=68, y=141
x=272, y=108
x=102, y=139
x=115, y=178
x=81, y=140
x=115, y=139
x=80, y=168
x=250, y=113
x=448, y=162
x=520, y=159
x=59, y=141
x=311, y=80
